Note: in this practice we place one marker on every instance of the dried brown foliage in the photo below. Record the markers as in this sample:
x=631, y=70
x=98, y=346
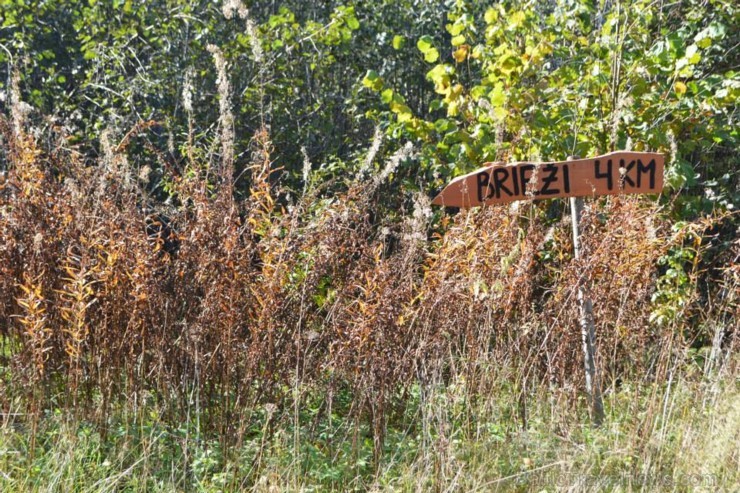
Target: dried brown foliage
x=221, y=304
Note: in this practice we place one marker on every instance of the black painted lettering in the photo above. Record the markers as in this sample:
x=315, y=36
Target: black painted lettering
x=550, y=177
x=625, y=172
x=605, y=174
x=483, y=179
x=566, y=179
x=500, y=175
x=650, y=168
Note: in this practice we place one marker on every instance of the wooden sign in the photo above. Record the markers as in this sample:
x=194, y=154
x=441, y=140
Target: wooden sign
x=610, y=174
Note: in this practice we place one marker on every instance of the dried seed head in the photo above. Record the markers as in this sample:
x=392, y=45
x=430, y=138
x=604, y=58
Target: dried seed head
x=38, y=243
x=187, y=91
x=226, y=118
x=230, y=7
x=416, y=226
x=254, y=42
x=373, y=151
x=19, y=109
x=144, y=173
x=400, y=155
x=270, y=409
x=674, y=145
x=306, y=168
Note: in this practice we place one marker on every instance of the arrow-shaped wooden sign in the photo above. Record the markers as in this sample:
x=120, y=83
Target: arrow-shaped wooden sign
x=613, y=173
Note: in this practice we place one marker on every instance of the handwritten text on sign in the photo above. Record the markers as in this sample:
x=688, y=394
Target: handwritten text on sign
x=613, y=173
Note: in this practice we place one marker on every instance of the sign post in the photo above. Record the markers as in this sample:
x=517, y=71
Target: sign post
x=588, y=330
x=610, y=174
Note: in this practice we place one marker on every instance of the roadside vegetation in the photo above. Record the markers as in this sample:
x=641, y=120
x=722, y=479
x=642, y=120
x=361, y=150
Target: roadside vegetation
x=220, y=269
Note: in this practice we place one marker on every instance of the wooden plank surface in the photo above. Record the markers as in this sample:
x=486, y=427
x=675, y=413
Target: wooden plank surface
x=609, y=174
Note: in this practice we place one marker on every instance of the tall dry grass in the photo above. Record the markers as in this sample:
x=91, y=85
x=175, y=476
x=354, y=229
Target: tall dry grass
x=215, y=306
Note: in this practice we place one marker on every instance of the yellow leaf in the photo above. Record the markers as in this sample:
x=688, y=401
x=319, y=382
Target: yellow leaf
x=458, y=40
x=680, y=88
x=500, y=113
x=460, y=54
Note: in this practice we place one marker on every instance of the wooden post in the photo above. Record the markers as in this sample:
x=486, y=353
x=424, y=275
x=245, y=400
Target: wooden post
x=586, y=321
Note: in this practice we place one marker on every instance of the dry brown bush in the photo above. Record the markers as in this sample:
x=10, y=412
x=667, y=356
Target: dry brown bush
x=222, y=304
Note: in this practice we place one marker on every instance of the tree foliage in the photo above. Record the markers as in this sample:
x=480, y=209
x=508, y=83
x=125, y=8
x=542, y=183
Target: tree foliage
x=544, y=80
x=468, y=82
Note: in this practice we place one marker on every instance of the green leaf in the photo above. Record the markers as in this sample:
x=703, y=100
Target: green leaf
x=431, y=55
x=508, y=64
x=387, y=96
x=478, y=92
x=353, y=23
x=398, y=42
x=458, y=40
x=692, y=54
x=443, y=125
x=497, y=95
x=516, y=20
x=491, y=15
x=675, y=42
x=425, y=44
x=500, y=113
x=372, y=81
x=400, y=108
x=704, y=42
x=455, y=29
x=441, y=76
x=680, y=174
x=715, y=30
x=402, y=111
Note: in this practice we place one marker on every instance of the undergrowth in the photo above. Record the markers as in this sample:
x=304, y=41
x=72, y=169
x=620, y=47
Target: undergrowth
x=677, y=437
x=216, y=340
